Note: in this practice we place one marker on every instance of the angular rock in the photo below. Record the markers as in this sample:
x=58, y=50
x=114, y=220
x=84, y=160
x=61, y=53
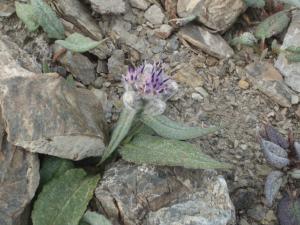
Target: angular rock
x=116, y=65
x=80, y=66
x=10, y=50
x=212, y=44
x=139, y=4
x=52, y=117
x=269, y=81
x=76, y=13
x=164, y=31
x=216, y=14
x=291, y=71
x=108, y=7
x=19, y=179
x=7, y=8
x=161, y=195
x=154, y=15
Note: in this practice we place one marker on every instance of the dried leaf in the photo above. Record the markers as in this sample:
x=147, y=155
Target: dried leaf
x=93, y=218
x=174, y=130
x=272, y=158
x=273, y=148
x=166, y=152
x=78, y=43
x=273, y=182
x=276, y=137
x=64, y=200
x=273, y=25
x=288, y=211
x=47, y=18
x=26, y=14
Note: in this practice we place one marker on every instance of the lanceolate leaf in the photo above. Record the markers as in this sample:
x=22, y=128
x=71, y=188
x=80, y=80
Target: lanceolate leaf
x=255, y=3
x=119, y=133
x=64, y=200
x=78, y=43
x=291, y=2
x=288, y=211
x=272, y=186
x=273, y=25
x=26, y=14
x=93, y=218
x=174, y=130
x=293, y=57
x=273, y=148
x=48, y=20
x=159, y=151
x=54, y=167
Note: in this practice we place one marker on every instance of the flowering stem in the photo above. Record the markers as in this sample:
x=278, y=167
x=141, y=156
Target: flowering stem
x=119, y=133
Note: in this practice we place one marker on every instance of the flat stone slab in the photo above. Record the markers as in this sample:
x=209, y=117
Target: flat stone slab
x=291, y=71
x=162, y=195
x=212, y=44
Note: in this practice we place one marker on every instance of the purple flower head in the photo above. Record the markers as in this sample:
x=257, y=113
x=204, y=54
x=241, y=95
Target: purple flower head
x=149, y=80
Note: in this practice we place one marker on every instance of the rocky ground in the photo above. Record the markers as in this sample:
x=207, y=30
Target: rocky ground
x=237, y=88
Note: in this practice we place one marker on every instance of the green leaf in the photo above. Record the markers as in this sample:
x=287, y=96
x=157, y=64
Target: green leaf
x=273, y=25
x=63, y=200
x=119, y=133
x=293, y=49
x=92, y=218
x=54, y=167
x=291, y=2
x=174, y=130
x=159, y=151
x=255, y=3
x=47, y=18
x=78, y=43
x=246, y=38
x=291, y=58
x=26, y=14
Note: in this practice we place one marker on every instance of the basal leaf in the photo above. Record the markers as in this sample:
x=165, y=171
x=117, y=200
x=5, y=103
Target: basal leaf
x=255, y=3
x=119, y=133
x=93, y=218
x=273, y=148
x=273, y=25
x=246, y=38
x=78, y=43
x=288, y=211
x=293, y=57
x=275, y=137
x=47, y=18
x=54, y=167
x=63, y=200
x=159, y=151
x=174, y=130
x=291, y=2
x=26, y=14
x=272, y=186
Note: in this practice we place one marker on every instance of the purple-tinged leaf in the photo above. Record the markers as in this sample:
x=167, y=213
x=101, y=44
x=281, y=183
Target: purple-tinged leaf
x=275, y=137
x=297, y=149
x=288, y=211
x=273, y=159
x=272, y=186
x=274, y=148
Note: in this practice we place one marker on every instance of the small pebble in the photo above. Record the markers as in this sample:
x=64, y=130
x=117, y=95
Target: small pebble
x=197, y=96
x=243, y=84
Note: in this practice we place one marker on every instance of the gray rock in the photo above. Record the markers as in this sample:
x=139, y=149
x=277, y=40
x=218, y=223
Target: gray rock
x=80, y=66
x=212, y=44
x=108, y=7
x=161, y=195
x=164, y=31
x=116, y=65
x=76, y=13
x=154, y=15
x=19, y=179
x=139, y=4
x=53, y=118
x=7, y=8
x=291, y=71
x=215, y=14
x=269, y=81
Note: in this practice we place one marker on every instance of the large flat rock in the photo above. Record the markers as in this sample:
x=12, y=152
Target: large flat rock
x=43, y=113
x=216, y=14
x=167, y=196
